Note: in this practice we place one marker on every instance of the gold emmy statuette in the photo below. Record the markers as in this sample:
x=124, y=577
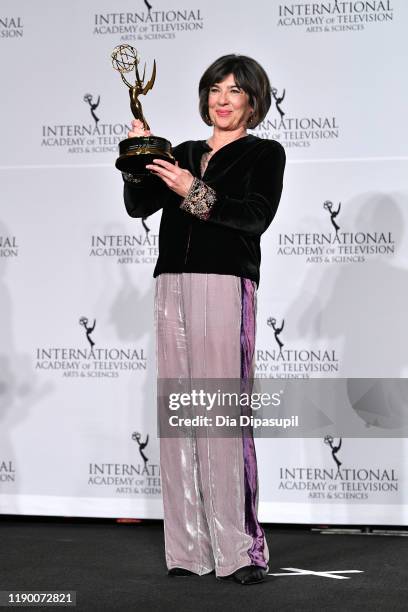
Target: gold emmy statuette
x=135, y=153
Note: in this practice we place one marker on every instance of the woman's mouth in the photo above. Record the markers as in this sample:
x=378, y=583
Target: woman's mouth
x=223, y=113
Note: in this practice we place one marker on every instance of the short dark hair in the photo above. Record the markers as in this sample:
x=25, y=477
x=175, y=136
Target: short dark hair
x=249, y=76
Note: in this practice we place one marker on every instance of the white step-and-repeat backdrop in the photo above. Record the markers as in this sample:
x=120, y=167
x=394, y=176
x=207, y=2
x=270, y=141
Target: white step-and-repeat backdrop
x=77, y=362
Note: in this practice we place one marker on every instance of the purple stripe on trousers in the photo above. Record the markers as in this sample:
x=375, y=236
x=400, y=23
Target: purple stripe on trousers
x=252, y=526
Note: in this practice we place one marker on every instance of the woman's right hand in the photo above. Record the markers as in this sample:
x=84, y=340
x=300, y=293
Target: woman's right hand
x=138, y=129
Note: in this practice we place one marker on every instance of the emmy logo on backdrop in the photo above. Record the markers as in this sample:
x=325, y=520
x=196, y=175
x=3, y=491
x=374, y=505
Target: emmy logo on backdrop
x=333, y=213
x=93, y=106
x=135, y=153
x=145, y=226
x=278, y=100
x=137, y=437
x=88, y=330
x=334, y=449
x=277, y=330
x=148, y=6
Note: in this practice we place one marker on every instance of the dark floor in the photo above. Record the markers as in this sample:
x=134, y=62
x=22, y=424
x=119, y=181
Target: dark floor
x=121, y=567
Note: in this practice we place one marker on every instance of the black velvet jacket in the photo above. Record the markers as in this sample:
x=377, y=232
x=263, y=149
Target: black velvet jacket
x=217, y=227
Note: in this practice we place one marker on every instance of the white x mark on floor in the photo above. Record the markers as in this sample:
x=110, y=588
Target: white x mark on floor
x=296, y=571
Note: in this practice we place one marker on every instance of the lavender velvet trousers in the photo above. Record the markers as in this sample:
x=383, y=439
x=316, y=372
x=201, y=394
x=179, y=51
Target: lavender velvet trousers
x=205, y=328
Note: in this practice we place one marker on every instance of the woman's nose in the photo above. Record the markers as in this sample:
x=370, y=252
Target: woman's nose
x=223, y=97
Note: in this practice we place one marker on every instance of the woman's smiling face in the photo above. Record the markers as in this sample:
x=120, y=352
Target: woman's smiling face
x=228, y=105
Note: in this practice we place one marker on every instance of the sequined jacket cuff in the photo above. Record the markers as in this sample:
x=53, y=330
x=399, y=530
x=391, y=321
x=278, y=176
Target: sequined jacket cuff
x=130, y=178
x=199, y=200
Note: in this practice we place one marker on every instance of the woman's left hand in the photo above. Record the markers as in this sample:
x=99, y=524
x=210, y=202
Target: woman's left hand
x=177, y=179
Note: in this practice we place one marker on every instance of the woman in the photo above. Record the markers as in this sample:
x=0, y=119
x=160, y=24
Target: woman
x=217, y=200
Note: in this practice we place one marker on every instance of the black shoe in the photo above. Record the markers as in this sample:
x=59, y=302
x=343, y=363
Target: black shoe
x=251, y=574
x=179, y=572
